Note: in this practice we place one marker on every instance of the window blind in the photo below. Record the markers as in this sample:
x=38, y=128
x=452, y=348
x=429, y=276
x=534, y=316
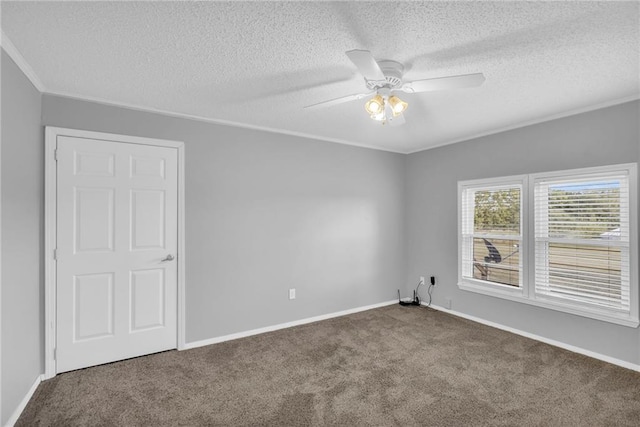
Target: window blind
x=582, y=239
x=491, y=233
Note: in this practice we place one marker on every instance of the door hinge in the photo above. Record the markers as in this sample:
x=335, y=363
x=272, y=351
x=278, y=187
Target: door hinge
x=55, y=354
x=55, y=154
x=55, y=254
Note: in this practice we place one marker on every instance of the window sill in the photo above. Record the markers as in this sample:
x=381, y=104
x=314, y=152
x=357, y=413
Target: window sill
x=517, y=295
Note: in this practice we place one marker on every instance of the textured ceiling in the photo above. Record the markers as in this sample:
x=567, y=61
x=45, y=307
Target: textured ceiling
x=258, y=63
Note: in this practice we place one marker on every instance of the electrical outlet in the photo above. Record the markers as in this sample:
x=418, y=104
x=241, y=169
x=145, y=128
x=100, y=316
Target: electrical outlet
x=292, y=293
x=422, y=280
x=447, y=303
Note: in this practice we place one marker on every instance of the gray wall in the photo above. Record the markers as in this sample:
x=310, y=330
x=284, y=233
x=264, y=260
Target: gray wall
x=22, y=225
x=267, y=212
x=601, y=137
x=345, y=226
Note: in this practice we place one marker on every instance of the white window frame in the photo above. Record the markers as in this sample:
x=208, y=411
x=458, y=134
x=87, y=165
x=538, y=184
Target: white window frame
x=483, y=286
x=527, y=294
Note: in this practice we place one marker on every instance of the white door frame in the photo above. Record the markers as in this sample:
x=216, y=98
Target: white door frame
x=50, y=227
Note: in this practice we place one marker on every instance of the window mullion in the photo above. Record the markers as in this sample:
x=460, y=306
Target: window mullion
x=577, y=248
x=528, y=236
x=540, y=246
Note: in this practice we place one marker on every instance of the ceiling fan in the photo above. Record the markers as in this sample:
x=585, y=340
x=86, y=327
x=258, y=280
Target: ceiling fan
x=383, y=80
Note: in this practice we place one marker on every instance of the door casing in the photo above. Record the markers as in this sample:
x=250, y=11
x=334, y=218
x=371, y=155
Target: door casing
x=50, y=226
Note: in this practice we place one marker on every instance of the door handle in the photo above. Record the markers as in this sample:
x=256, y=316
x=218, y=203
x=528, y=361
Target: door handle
x=168, y=258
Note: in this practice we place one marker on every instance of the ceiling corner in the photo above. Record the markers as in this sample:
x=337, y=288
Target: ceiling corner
x=17, y=57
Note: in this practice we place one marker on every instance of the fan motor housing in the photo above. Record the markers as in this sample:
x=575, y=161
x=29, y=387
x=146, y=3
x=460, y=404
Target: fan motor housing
x=392, y=71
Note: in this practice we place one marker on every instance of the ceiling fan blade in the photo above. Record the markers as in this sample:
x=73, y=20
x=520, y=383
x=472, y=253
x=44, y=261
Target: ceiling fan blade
x=441, y=83
x=368, y=67
x=397, y=120
x=336, y=101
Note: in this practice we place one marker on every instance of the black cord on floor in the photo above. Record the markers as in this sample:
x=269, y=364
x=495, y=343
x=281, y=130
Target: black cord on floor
x=417, y=288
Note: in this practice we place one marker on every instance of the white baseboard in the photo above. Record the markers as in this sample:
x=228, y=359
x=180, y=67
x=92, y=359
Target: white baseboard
x=635, y=367
x=23, y=404
x=235, y=336
x=572, y=348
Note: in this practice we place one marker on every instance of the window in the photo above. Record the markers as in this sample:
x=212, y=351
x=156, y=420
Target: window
x=563, y=240
x=492, y=233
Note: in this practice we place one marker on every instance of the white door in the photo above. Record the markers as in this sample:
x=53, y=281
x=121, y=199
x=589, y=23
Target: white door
x=116, y=294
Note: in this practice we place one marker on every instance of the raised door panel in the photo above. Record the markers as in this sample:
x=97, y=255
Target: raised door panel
x=93, y=302
x=93, y=219
x=147, y=299
x=94, y=164
x=147, y=167
x=147, y=219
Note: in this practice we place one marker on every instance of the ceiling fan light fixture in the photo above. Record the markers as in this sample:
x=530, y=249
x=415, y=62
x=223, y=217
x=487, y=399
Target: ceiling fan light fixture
x=385, y=77
x=375, y=105
x=379, y=117
x=398, y=106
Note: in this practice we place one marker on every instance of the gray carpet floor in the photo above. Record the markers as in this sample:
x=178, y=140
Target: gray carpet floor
x=383, y=367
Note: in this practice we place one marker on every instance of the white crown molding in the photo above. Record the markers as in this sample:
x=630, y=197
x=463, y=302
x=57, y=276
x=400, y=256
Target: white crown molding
x=539, y=120
x=216, y=121
x=17, y=57
x=337, y=140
